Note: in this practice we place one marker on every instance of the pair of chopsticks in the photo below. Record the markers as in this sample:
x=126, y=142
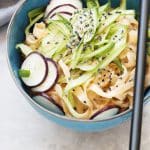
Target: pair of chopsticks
x=135, y=134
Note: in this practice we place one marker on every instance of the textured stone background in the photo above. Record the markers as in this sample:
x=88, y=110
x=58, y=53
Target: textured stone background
x=22, y=128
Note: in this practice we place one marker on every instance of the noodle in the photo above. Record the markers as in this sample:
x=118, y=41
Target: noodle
x=96, y=66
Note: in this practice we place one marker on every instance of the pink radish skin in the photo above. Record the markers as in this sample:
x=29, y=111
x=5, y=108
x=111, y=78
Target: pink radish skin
x=101, y=112
x=51, y=78
x=62, y=12
x=52, y=100
x=57, y=6
x=48, y=103
x=38, y=67
x=63, y=5
x=65, y=15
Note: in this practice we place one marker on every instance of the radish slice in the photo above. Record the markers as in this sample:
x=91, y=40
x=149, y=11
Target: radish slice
x=57, y=6
x=65, y=9
x=65, y=14
x=37, y=65
x=48, y=103
x=105, y=113
x=51, y=78
x=68, y=7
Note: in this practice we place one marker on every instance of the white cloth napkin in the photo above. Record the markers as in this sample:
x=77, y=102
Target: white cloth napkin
x=7, y=8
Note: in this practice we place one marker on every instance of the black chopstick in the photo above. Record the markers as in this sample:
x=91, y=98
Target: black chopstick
x=135, y=134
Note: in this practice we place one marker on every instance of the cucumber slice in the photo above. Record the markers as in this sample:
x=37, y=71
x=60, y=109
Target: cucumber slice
x=56, y=40
x=51, y=78
x=38, y=68
x=61, y=26
x=99, y=52
x=76, y=82
x=91, y=3
x=76, y=55
x=104, y=8
x=105, y=23
x=51, y=44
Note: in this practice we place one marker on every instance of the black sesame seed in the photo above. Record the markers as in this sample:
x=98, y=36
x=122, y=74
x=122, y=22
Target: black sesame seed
x=109, y=88
x=100, y=38
x=87, y=25
x=84, y=109
x=35, y=37
x=75, y=108
x=84, y=102
x=118, y=12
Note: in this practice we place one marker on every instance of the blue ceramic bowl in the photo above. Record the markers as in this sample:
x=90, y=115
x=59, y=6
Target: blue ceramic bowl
x=16, y=35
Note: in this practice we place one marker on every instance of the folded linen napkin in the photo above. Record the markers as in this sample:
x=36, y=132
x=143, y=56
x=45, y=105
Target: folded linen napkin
x=7, y=8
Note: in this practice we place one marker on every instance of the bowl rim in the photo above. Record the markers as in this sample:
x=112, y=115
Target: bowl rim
x=34, y=102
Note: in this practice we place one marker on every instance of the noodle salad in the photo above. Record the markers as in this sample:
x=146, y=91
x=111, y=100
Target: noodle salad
x=81, y=59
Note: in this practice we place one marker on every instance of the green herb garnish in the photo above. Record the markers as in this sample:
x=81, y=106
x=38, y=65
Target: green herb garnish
x=24, y=73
